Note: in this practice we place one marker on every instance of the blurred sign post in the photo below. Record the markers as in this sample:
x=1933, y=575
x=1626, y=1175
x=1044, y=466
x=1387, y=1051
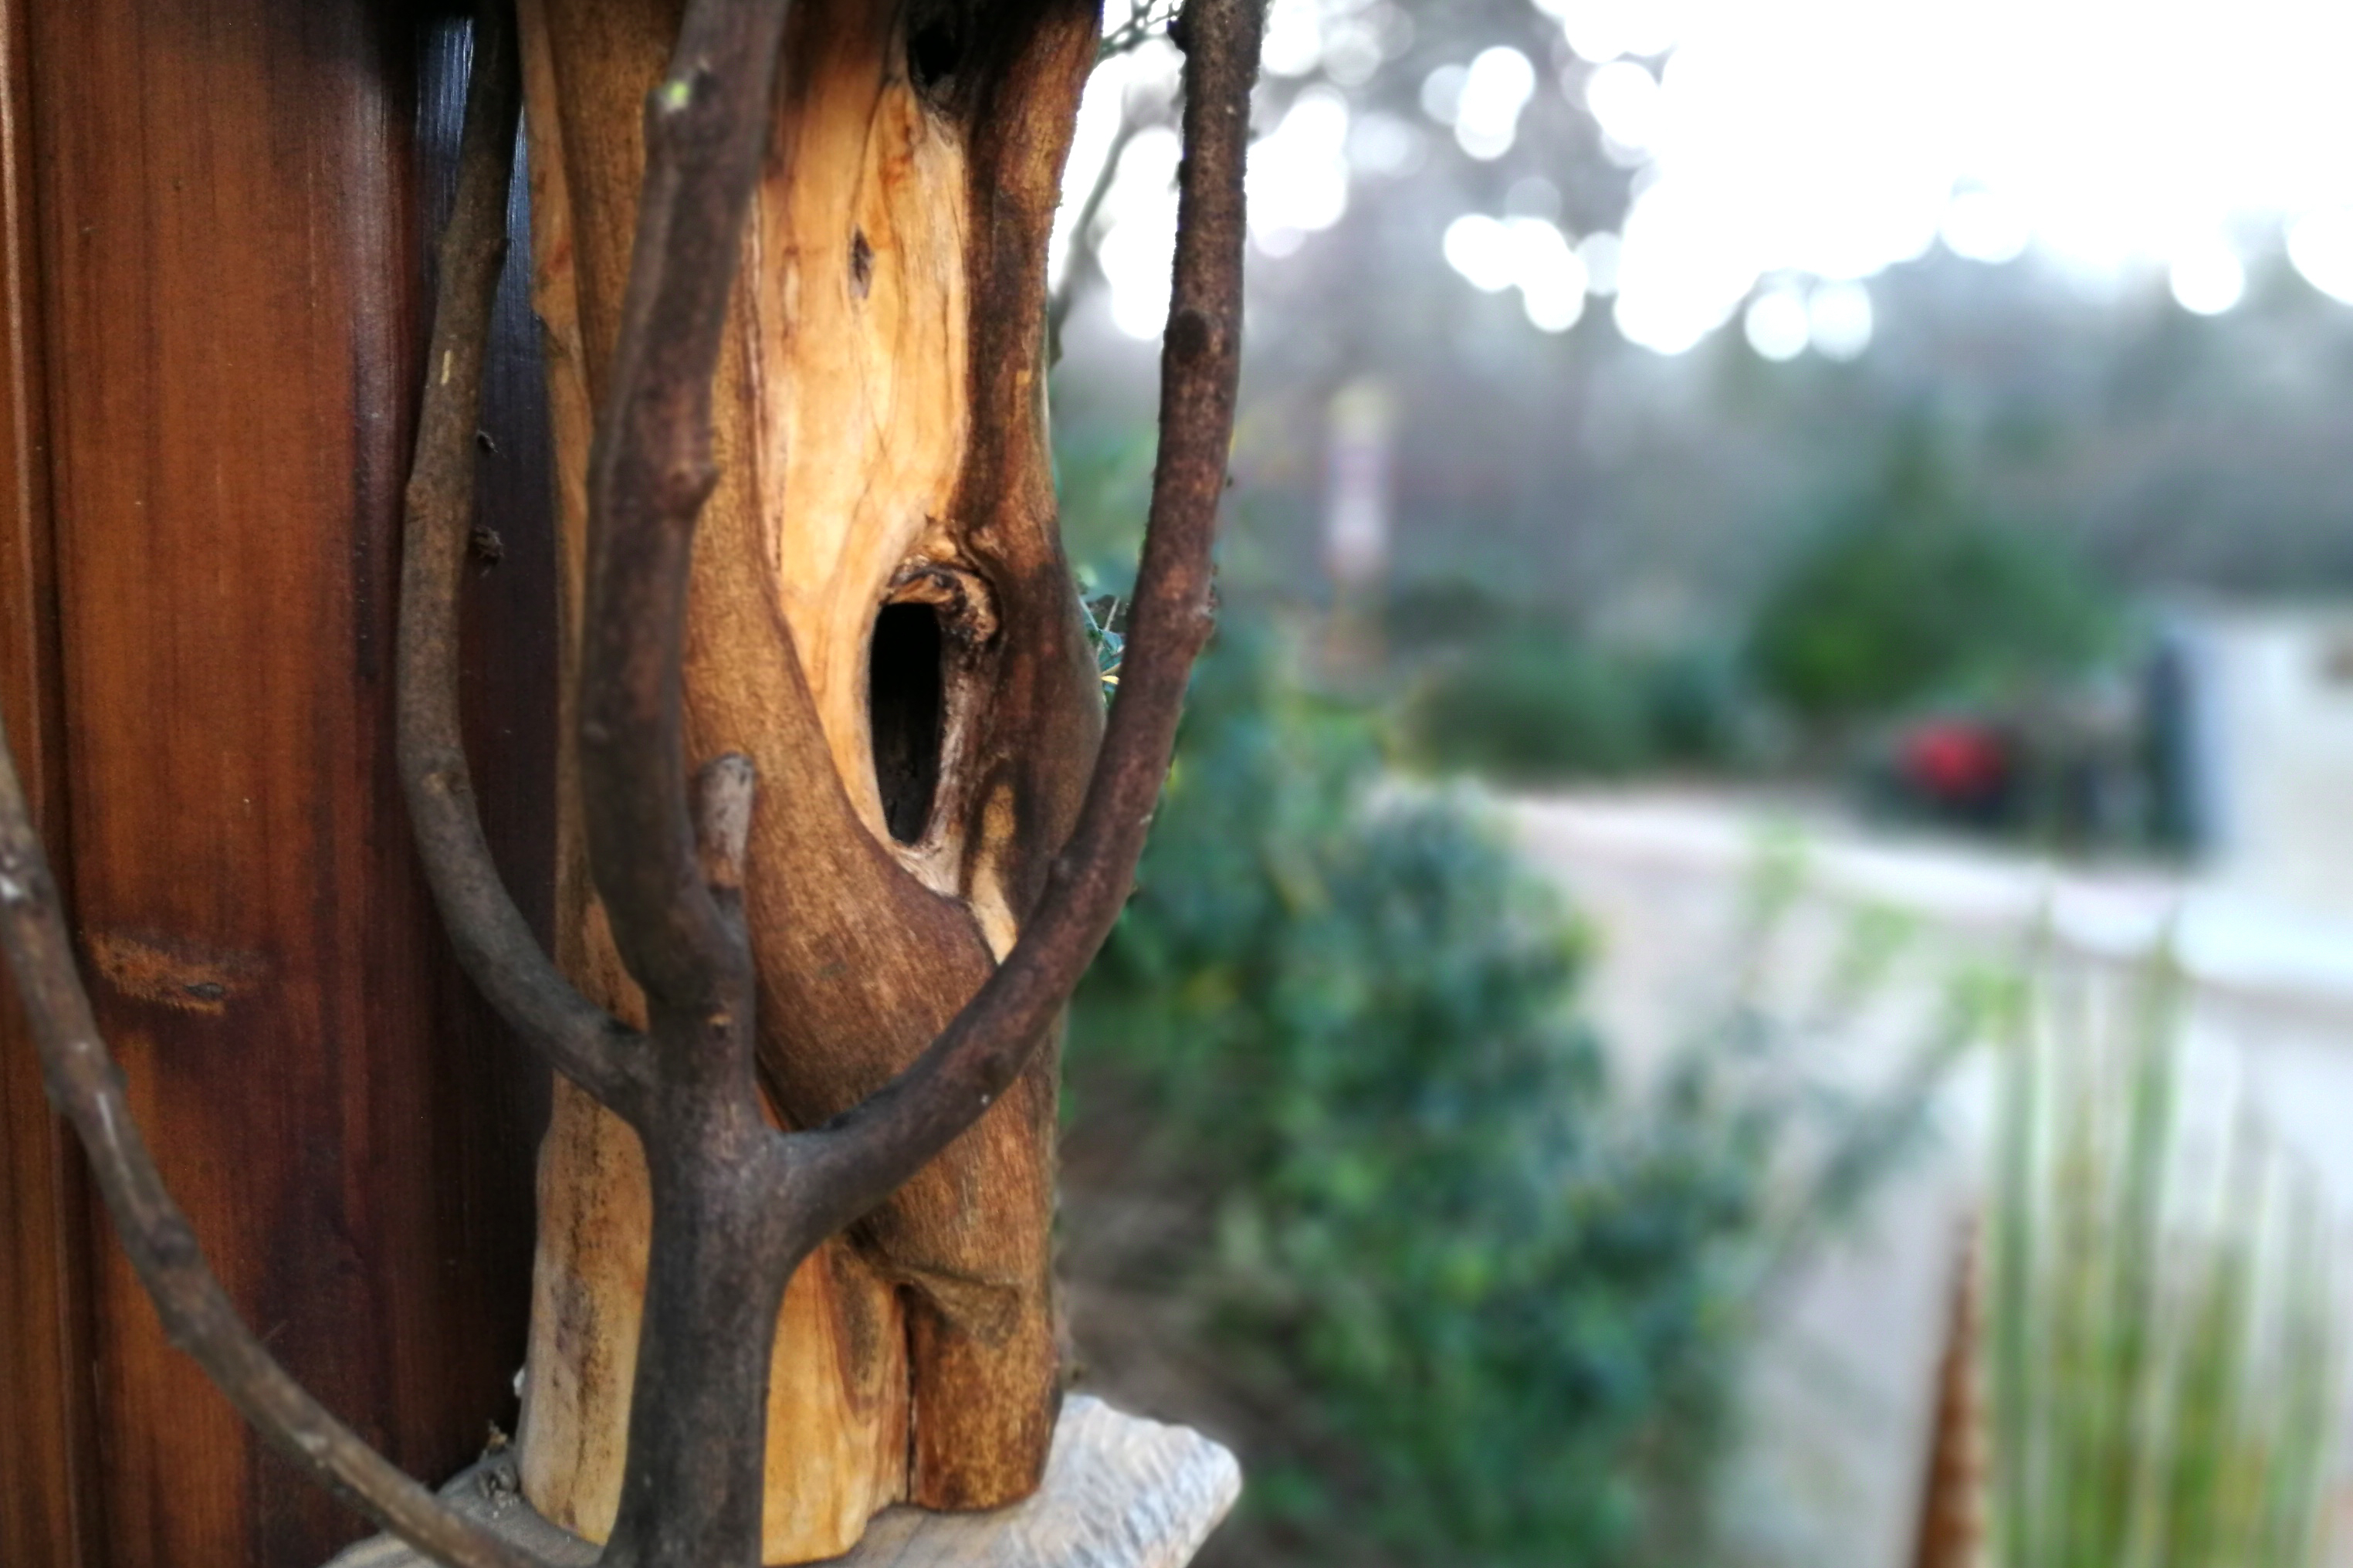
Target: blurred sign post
x=1360, y=426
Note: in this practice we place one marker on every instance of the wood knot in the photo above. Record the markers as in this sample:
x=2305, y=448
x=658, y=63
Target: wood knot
x=968, y=613
x=179, y=974
x=861, y=263
x=687, y=483
x=1189, y=334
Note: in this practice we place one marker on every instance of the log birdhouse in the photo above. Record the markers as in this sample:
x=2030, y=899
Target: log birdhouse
x=882, y=619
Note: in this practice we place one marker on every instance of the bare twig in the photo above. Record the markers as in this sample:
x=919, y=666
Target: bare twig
x=493, y=942
x=725, y=1236
x=870, y=1150
x=1144, y=18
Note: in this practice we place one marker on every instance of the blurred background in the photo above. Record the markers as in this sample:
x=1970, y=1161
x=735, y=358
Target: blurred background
x=1749, y=955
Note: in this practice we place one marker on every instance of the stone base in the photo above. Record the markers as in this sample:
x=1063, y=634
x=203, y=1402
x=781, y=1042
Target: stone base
x=1120, y=1492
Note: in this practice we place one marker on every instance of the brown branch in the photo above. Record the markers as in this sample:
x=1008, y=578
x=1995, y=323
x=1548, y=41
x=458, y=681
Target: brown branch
x=850, y=1163
x=651, y=470
x=723, y=822
x=725, y=1236
x=493, y=942
x=85, y=1085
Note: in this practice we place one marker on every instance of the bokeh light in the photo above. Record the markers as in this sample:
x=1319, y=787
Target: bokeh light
x=2320, y=244
x=1812, y=141
x=1495, y=88
x=1837, y=320
x=1776, y=325
x=2208, y=280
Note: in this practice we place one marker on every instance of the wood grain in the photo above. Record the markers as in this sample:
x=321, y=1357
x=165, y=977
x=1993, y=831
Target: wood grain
x=228, y=205
x=48, y=1452
x=838, y=1403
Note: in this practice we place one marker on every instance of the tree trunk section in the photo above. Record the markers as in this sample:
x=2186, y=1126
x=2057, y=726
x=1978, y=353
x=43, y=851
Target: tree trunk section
x=884, y=621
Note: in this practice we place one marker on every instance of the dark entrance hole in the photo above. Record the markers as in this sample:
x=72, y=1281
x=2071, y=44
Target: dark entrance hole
x=935, y=50
x=905, y=710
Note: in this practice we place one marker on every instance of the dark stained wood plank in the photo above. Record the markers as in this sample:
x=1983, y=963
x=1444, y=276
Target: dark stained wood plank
x=48, y=1513
x=230, y=198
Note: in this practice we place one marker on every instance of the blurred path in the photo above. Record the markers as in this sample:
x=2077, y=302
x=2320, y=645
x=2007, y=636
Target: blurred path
x=1839, y=1405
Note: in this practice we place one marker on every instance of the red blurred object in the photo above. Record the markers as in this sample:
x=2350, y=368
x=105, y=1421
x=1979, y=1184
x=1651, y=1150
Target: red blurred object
x=1954, y=760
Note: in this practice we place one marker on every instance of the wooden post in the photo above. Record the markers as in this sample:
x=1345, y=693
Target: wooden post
x=1950, y=1531
x=215, y=218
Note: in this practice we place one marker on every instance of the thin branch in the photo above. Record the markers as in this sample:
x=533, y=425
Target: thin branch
x=1145, y=19
x=707, y=126
x=852, y=1161
x=85, y=1085
x=493, y=942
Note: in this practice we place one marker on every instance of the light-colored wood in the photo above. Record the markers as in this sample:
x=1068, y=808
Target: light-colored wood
x=880, y=434
x=1119, y=1492
x=838, y=1394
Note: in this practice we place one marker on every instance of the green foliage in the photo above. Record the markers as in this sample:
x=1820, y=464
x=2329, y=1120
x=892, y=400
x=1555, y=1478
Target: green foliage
x=1531, y=707
x=1914, y=595
x=1103, y=474
x=2163, y=1355
x=1353, y=1018
x=1103, y=636
x=1498, y=1302
x=1508, y=692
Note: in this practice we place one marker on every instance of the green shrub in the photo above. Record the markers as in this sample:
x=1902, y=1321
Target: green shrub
x=1913, y=595
x=1496, y=1302
x=1531, y=708
x=1353, y=1017
x=1524, y=700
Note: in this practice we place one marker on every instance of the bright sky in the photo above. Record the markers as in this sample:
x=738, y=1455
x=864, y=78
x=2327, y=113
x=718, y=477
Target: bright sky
x=1786, y=151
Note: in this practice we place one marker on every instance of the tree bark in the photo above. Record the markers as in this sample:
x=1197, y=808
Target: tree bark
x=881, y=619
